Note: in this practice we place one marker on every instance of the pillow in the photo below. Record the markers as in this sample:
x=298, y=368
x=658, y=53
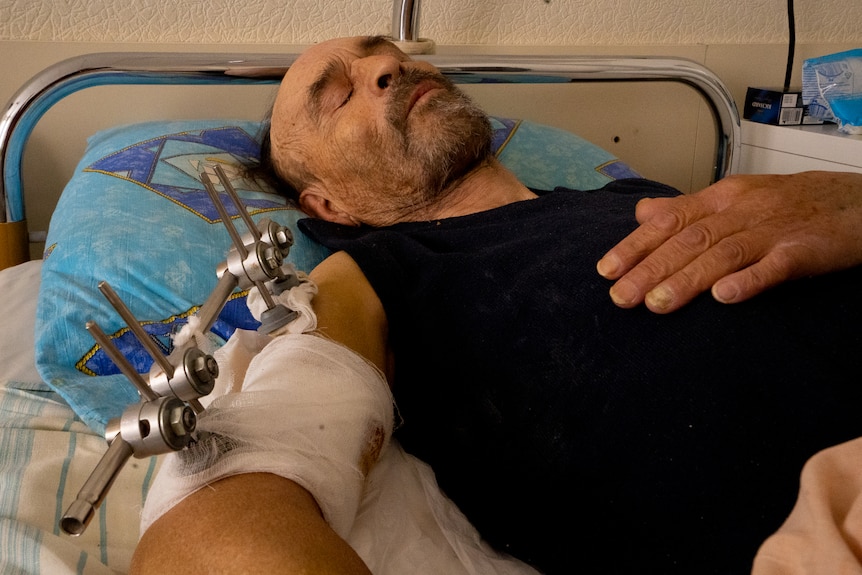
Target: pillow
x=544, y=157
x=134, y=214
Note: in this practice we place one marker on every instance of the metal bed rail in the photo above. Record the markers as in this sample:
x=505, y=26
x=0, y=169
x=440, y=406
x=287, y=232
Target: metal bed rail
x=30, y=103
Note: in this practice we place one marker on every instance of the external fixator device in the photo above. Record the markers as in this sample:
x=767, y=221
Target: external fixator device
x=165, y=418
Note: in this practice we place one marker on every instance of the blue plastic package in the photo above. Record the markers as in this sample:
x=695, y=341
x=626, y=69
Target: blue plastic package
x=832, y=89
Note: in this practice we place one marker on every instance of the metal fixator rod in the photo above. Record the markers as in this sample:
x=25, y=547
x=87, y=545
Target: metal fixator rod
x=225, y=218
x=120, y=361
x=136, y=328
x=249, y=223
x=234, y=234
x=231, y=191
x=209, y=311
x=92, y=494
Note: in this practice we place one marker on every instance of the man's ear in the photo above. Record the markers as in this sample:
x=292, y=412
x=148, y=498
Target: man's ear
x=316, y=204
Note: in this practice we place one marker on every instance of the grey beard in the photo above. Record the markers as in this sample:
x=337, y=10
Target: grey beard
x=459, y=142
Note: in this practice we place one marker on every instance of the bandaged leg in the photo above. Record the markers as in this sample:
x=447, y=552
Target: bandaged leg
x=310, y=410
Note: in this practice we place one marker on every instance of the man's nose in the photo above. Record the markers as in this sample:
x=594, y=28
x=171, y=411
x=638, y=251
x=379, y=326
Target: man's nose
x=377, y=72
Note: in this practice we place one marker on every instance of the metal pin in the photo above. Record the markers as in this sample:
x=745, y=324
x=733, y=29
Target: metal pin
x=246, y=218
x=243, y=213
x=136, y=328
x=120, y=361
x=231, y=229
x=265, y=295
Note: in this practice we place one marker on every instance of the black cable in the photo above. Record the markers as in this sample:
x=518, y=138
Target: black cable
x=791, y=44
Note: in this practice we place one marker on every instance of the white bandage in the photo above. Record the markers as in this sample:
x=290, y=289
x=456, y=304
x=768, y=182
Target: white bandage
x=298, y=298
x=310, y=410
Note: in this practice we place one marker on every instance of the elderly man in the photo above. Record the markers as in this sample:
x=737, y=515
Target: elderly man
x=575, y=434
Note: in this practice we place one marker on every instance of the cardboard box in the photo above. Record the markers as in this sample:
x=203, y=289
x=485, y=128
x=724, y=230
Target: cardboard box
x=776, y=107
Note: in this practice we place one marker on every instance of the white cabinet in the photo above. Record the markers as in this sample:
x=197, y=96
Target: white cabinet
x=770, y=149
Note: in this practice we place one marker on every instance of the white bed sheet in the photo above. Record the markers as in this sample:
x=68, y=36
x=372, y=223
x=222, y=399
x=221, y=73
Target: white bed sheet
x=18, y=286
x=45, y=455
x=405, y=524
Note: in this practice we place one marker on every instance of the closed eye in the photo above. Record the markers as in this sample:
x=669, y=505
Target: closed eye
x=347, y=99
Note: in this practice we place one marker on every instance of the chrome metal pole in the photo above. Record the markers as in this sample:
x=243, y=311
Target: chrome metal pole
x=405, y=20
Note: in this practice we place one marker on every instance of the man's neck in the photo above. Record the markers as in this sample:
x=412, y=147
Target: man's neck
x=488, y=186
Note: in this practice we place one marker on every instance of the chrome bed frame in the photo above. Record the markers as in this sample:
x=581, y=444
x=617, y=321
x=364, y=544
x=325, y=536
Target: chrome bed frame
x=30, y=103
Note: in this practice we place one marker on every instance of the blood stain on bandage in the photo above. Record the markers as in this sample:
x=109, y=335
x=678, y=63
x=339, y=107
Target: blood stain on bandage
x=376, y=437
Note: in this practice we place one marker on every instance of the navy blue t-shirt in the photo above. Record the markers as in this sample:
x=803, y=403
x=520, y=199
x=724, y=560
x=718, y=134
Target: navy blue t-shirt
x=583, y=437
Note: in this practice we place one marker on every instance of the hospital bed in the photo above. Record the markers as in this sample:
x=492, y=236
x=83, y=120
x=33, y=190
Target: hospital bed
x=135, y=214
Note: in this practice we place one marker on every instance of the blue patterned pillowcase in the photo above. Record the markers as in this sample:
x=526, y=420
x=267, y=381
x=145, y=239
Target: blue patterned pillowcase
x=134, y=214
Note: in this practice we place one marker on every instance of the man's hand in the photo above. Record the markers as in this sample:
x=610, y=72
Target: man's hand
x=738, y=237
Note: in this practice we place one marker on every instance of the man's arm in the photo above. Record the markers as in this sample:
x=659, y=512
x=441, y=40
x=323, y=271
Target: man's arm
x=260, y=522
x=738, y=237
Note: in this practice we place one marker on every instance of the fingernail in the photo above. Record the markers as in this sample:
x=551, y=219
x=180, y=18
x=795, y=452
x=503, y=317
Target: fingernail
x=725, y=292
x=659, y=298
x=623, y=293
x=608, y=266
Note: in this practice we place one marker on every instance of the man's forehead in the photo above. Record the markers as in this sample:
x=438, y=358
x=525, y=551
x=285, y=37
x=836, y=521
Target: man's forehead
x=317, y=57
x=313, y=65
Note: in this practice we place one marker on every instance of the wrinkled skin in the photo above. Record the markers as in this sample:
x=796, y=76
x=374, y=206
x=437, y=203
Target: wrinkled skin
x=737, y=238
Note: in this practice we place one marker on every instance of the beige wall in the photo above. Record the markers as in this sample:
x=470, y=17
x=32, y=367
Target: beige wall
x=662, y=130
x=494, y=22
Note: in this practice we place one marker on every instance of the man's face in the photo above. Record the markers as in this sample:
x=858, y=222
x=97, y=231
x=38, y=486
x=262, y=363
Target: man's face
x=378, y=134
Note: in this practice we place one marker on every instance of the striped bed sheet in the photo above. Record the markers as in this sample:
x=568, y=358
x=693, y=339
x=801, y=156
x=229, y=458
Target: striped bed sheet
x=46, y=454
